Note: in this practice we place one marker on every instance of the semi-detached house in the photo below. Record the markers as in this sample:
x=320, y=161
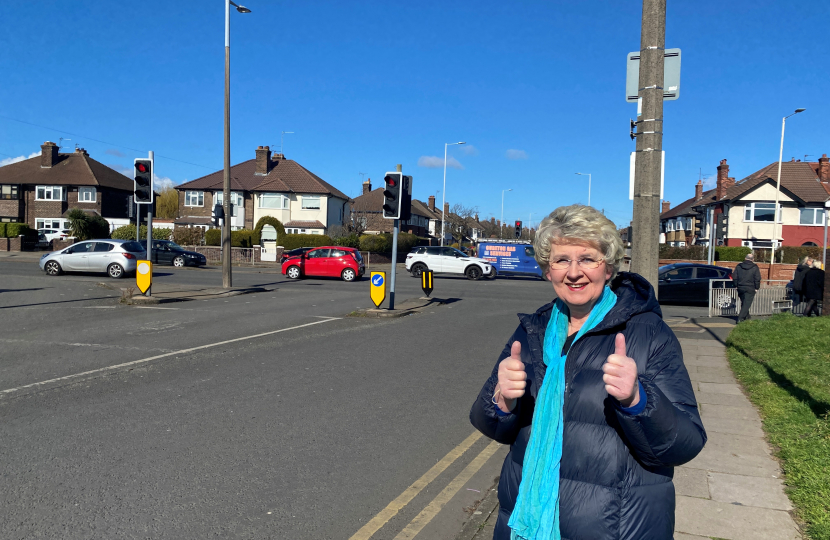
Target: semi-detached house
x=266, y=186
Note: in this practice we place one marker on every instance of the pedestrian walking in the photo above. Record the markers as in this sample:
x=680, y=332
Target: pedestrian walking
x=798, y=278
x=813, y=287
x=592, y=396
x=747, y=279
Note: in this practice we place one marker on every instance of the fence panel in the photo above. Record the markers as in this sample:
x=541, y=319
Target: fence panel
x=771, y=298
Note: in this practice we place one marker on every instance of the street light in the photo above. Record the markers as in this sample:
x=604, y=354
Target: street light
x=501, y=227
x=589, y=185
x=776, y=211
x=444, y=191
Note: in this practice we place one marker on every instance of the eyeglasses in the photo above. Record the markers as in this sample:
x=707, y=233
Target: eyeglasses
x=586, y=263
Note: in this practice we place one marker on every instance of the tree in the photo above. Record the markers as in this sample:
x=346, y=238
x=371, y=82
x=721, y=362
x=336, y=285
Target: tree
x=358, y=221
x=167, y=203
x=87, y=226
x=457, y=221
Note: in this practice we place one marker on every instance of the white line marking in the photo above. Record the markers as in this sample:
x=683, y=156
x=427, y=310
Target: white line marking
x=150, y=359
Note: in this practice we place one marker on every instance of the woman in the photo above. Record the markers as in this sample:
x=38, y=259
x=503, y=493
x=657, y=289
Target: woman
x=813, y=289
x=592, y=396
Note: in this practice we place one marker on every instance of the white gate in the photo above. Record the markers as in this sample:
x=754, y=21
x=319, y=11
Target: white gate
x=772, y=297
x=268, y=239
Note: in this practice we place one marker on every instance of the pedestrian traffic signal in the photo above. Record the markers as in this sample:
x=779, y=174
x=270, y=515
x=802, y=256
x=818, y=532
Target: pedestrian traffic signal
x=218, y=214
x=392, y=195
x=518, y=229
x=143, y=181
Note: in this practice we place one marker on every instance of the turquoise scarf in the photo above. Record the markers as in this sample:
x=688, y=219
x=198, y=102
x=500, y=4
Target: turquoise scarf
x=536, y=514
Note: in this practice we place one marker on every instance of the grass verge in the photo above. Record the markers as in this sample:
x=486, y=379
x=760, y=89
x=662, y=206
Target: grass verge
x=784, y=364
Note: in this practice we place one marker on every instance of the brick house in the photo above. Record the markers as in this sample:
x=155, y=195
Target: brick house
x=41, y=190
x=367, y=209
x=266, y=186
x=749, y=206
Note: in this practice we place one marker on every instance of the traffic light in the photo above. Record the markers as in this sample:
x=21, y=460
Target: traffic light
x=217, y=214
x=518, y=229
x=143, y=181
x=392, y=195
x=697, y=227
x=406, y=199
x=720, y=228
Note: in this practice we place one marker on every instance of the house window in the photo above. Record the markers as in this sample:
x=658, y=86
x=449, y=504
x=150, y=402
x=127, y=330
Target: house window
x=237, y=201
x=194, y=198
x=51, y=223
x=8, y=219
x=8, y=192
x=812, y=216
x=760, y=211
x=49, y=193
x=311, y=202
x=274, y=200
x=86, y=194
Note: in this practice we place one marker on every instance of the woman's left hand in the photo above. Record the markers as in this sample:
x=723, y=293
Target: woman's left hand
x=620, y=375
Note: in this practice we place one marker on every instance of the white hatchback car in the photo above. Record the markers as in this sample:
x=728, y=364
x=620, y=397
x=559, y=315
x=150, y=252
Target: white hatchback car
x=446, y=260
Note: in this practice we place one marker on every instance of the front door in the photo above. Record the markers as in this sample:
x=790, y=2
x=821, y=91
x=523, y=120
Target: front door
x=316, y=262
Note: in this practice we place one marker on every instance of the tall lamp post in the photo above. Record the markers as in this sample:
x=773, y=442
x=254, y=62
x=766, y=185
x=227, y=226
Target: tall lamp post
x=589, y=185
x=501, y=227
x=444, y=191
x=777, y=214
x=226, y=191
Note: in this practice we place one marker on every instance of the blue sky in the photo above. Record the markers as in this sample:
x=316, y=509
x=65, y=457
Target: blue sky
x=535, y=88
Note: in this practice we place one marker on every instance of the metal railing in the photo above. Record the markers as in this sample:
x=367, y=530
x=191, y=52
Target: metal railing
x=772, y=297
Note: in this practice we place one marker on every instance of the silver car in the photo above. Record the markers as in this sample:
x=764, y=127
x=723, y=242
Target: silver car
x=115, y=257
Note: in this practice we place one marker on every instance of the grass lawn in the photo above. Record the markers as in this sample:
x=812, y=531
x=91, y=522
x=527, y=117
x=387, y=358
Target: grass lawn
x=784, y=364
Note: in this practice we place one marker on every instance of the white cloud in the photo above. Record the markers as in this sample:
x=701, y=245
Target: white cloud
x=469, y=150
x=435, y=162
x=516, y=154
x=160, y=183
x=114, y=152
x=9, y=161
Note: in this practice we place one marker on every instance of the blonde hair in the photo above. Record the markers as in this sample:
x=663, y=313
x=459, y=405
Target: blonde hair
x=579, y=224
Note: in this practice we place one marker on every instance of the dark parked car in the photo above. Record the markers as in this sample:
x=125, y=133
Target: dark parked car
x=294, y=253
x=167, y=252
x=688, y=283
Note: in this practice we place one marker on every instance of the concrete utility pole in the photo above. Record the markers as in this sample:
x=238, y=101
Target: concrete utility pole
x=648, y=164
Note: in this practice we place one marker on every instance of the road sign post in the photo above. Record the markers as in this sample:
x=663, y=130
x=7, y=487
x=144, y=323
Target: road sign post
x=144, y=275
x=426, y=282
x=377, y=290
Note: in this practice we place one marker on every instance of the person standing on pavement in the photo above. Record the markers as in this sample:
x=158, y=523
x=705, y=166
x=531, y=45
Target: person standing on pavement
x=813, y=287
x=798, y=278
x=747, y=279
x=592, y=396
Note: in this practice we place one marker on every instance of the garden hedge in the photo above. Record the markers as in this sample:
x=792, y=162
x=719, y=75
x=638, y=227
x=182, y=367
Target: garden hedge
x=127, y=232
x=13, y=230
x=267, y=220
x=241, y=238
x=293, y=241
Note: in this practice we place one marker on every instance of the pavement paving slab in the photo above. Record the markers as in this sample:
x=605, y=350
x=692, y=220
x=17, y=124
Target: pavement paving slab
x=748, y=491
x=721, y=399
x=732, y=389
x=738, y=426
x=691, y=482
x=697, y=376
x=733, y=521
x=691, y=359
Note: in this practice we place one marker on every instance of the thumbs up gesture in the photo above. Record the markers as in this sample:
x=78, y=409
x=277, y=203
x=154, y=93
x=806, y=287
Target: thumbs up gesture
x=512, y=379
x=620, y=375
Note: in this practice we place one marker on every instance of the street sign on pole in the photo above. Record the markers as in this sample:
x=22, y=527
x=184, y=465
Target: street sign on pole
x=671, y=76
x=144, y=275
x=378, y=287
x=426, y=282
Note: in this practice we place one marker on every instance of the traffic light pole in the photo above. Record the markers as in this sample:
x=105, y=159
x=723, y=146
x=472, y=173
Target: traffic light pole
x=150, y=223
x=648, y=164
x=395, y=225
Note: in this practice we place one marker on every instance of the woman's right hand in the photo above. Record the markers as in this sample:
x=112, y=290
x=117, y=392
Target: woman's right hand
x=512, y=379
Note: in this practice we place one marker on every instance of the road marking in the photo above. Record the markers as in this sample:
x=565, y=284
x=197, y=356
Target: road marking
x=409, y=493
x=98, y=307
x=154, y=307
x=4, y=393
x=432, y=509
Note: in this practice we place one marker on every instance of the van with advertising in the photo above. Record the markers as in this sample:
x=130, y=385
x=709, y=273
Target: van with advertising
x=510, y=257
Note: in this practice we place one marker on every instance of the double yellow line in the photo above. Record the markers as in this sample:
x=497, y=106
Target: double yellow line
x=435, y=506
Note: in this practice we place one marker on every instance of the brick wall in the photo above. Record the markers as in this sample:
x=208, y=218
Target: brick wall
x=249, y=209
x=4, y=244
x=779, y=271
x=15, y=244
x=12, y=209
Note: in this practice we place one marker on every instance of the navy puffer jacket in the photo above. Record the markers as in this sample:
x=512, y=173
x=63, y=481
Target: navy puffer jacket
x=616, y=470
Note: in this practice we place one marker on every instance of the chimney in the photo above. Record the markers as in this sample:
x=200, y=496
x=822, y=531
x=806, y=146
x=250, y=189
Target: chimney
x=263, y=160
x=476, y=217
x=699, y=190
x=666, y=207
x=367, y=186
x=824, y=169
x=446, y=208
x=48, y=154
x=431, y=202
x=493, y=220
x=723, y=180
x=498, y=222
x=82, y=151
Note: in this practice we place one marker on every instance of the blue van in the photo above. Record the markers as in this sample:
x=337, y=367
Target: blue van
x=510, y=257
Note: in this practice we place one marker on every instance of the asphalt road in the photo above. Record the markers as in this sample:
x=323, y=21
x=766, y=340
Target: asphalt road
x=271, y=415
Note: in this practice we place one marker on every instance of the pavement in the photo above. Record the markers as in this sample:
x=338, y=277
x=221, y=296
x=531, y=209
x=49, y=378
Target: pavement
x=734, y=488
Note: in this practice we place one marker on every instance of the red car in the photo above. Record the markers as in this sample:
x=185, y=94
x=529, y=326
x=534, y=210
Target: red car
x=326, y=261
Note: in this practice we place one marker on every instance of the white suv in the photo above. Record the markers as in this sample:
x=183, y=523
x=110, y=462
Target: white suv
x=446, y=260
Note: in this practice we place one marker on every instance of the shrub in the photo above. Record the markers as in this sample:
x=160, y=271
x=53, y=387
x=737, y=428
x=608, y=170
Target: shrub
x=2, y=230
x=351, y=240
x=213, y=237
x=240, y=238
x=731, y=253
x=377, y=243
x=189, y=236
x=407, y=241
x=87, y=226
x=127, y=232
x=693, y=253
x=293, y=241
x=13, y=230
x=267, y=220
